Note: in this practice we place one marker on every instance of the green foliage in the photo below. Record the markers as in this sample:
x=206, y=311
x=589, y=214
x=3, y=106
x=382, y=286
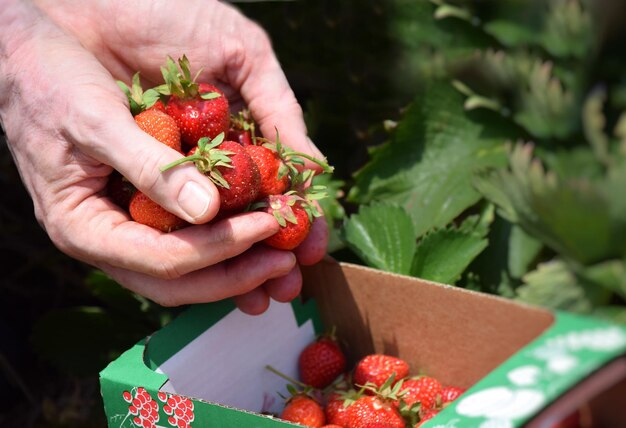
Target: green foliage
x=433, y=153
x=383, y=235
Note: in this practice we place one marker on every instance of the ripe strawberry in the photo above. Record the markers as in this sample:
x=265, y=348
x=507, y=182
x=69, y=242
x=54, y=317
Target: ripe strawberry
x=293, y=214
x=332, y=426
x=373, y=409
x=305, y=411
x=242, y=137
x=145, y=211
x=423, y=389
x=242, y=128
x=274, y=173
x=321, y=362
x=377, y=368
x=120, y=190
x=200, y=109
x=428, y=416
x=336, y=409
x=230, y=167
x=450, y=393
x=160, y=126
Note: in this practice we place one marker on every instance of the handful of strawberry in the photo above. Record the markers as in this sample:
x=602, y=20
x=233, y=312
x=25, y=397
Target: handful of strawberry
x=250, y=172
x=377, y=392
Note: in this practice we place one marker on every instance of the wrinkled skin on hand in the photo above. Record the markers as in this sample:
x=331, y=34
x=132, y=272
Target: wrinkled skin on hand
x=68, y=125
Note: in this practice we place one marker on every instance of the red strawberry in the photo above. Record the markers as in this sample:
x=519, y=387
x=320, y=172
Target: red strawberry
x=321, y=362
x=119, y=189
x=200, y=109
x=230, y=167
x=305, y=411
x=423, y=389
x=160, y=126
x=428, y=416
x=377, y=368
x=291, y=213
x=450, y=393
x=274, y=173
x=336, y=409
x=145, y=211
x=242, y=137
x=242, y=128
x=373, y=410
x=332, y=426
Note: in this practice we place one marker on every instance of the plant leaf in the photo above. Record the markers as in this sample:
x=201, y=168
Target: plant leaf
x=428, y=164
x=382, y=235
x=444, y=254
x=578, y=218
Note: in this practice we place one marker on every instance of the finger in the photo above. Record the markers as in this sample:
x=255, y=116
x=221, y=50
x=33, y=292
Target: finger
x=313, y=249
x=265, y=89
x=286, y=288
x=253, y=302
x=114, y=240
x=230, y=278
x=111, y=136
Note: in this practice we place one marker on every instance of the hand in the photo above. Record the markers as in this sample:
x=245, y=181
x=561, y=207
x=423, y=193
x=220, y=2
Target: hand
x=67, y=121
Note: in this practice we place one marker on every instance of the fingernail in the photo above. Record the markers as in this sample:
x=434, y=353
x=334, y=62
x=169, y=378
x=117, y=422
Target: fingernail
x=194, y=200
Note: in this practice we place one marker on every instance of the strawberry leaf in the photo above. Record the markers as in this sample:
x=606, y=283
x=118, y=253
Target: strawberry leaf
x=428, y=164
x=383, y=235
x=444, y=254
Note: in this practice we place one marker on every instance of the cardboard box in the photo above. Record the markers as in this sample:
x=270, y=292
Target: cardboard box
x=525, y=366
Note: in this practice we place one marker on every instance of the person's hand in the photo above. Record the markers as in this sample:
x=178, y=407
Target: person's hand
x=67, y=121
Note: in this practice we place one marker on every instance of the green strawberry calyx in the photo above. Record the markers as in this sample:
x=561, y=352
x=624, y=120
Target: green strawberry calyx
x=207, y=157
x=137, y=98
x=178, y=81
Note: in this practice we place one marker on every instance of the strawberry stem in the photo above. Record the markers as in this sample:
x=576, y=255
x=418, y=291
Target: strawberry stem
x=327, y=168
x=287, y=378
x=193, y=158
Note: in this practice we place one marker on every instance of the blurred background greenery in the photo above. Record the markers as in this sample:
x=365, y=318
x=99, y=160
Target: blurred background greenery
x=476, y=143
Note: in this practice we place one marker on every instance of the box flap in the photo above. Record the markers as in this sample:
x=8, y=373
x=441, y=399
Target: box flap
x=452, y=334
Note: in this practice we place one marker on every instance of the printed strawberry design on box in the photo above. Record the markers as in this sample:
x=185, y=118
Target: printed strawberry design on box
x=179, y=410
x=142, y=408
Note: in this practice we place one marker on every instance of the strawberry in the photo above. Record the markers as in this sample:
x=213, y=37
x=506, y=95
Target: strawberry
x=274, y=177
x=321, y=362
x=336, y=409
x=450, y=393
x=119, y=189
x=291, y=213
x=161, y=126
x=332, y=426
x=145, y=211
x=230, y=167
x=200, y=109
x=422, y=389
x=242, y=137
x=304, y=410
x=369, y=410
x=242, y=128
x=377, y=368
x=428, y=416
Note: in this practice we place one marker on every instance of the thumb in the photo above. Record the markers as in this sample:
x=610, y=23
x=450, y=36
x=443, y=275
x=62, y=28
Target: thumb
x=182, y=190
